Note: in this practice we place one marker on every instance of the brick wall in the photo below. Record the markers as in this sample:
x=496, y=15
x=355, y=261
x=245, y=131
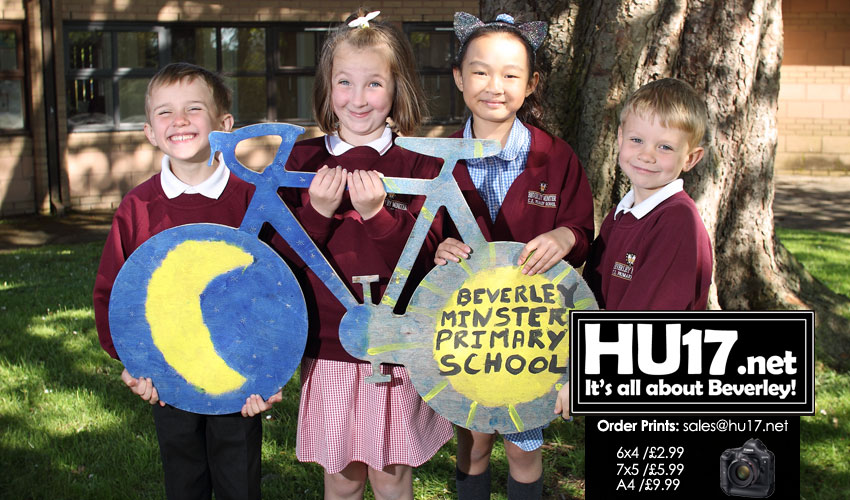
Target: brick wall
x=17, y=177
x=12, y=10
x=814, y=97
x=814, y=120
x=103, y=167
x=817, y=32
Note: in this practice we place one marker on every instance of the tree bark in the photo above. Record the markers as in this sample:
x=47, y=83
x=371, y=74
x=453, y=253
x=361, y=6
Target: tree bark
x=600, y=51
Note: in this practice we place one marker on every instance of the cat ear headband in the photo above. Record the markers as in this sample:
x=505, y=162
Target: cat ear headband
x=465, y=24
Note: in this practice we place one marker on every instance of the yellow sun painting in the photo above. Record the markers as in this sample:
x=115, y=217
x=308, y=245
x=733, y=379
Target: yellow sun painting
x=499, y=339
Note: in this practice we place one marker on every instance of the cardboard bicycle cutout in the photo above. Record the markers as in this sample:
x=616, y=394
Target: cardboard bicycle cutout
x=485, y=345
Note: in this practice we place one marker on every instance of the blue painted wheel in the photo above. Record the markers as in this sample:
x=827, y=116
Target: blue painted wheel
x=211, y=314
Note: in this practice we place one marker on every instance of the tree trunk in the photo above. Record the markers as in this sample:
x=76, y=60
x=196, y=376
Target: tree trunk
x=600, y=51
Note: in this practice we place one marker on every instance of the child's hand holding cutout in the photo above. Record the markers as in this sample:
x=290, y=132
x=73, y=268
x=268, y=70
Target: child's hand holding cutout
x=326, y=190
x=142, y=387
x=562, y=404
x=367, y=192
x=451, y=250
x=544, y=251
x=254, y=404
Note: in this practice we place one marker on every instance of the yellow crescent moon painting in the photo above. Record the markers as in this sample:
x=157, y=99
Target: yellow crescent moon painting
x=174, y=304
x=209, y=313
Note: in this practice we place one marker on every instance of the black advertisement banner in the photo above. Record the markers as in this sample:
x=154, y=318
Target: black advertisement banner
x=694, y=362
x=697, y=404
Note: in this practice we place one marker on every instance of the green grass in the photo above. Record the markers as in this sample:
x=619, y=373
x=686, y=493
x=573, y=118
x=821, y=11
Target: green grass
x=70, y=429
x=824, y=444
x=824, y=437
x=825, y=255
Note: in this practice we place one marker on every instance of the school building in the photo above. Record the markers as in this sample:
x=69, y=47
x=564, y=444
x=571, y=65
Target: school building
x=73, y=75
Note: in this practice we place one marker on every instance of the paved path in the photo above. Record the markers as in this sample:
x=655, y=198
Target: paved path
x=821, y=203
x=77, y=227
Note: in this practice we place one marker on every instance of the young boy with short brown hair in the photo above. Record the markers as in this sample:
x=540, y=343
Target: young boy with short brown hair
x=183, y=104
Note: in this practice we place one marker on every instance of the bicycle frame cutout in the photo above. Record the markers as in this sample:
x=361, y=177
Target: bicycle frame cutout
x=373, y=332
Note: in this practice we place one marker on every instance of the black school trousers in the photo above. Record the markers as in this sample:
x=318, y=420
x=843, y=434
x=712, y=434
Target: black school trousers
x=206, y=453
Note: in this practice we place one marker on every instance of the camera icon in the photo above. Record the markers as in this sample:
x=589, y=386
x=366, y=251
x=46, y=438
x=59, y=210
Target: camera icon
x=748, y=471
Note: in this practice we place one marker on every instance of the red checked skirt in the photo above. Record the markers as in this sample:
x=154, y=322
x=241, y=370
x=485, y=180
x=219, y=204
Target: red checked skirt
x=343, y=419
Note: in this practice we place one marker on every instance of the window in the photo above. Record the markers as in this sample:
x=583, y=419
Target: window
x=238, y=53
x=105, y=64
x=12, y=79
x=434, y=48
x=296, y=56
x=270, y=68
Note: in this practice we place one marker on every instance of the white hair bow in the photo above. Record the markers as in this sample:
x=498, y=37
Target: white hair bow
x=363, y=22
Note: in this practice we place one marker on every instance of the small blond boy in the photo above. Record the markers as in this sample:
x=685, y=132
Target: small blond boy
x=653, y=251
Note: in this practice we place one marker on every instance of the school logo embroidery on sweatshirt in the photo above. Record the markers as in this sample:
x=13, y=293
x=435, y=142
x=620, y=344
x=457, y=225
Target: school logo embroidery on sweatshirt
x=392, y=202
x=624, y=271
x=541, y=199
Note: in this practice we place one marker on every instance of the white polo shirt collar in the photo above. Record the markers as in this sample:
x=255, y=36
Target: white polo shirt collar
x=212, y=187
x=337, y=146
x=646, y=206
